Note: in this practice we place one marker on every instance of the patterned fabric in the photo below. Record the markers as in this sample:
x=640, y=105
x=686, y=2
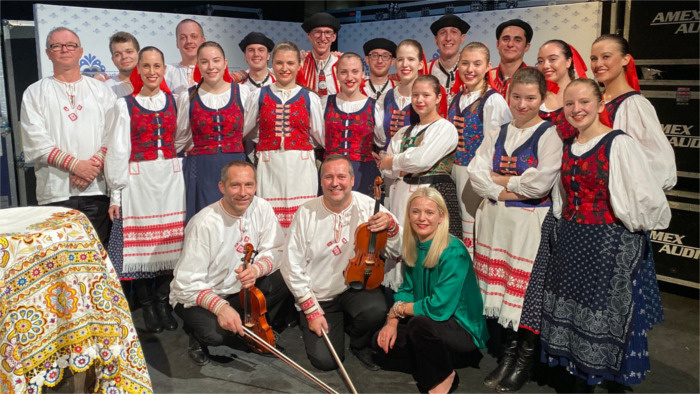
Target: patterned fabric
x=202, y=176
x=351, y=135
x=448, y=190
x=566, y=131
x=217, y=130
x=115, y=250
x=289, y=121
x=442, y=167
x=62, y=160
x=613, y=105
x=470, y=126
x=307, y=76
x=592, y=302
x=522, y=158
x=395, y=117
x=531, y=317
x=585, y=180
x=152, y=131
x=62, y=306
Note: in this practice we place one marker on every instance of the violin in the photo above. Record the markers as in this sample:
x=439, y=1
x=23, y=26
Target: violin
x=366, y=269
x=254, y=310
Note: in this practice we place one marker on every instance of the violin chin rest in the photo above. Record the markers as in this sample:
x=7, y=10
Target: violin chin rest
x=356, y=285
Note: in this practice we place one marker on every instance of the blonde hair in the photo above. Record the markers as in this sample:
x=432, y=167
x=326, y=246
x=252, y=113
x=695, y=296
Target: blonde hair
x=479, y=46
x=286, y=46
x=442, y=234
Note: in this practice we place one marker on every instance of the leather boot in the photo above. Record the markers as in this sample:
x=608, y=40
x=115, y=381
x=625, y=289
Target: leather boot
x=165, y=315
x=522, y=372
x=150, y=316
x=507, y=361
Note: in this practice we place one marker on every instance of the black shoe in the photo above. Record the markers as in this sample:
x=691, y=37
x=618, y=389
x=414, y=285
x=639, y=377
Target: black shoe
x=150, y=317
x=165, y=314
x=507, y=363
x=365, y=356
x=522, y=372
x=197, y=353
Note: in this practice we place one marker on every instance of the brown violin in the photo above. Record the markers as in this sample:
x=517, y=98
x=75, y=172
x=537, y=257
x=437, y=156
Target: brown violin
x=366, y=269
x=254, y=309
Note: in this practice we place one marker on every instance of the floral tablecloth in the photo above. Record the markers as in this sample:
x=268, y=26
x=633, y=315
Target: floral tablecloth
x=61, y=305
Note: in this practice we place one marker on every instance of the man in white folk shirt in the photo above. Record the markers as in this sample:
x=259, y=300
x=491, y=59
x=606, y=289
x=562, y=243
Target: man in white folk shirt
x=380, y=54
x=64, y=126
x=209, y=274
x=125, y=53
x=450, y=33
x=256, y=49
x=320, y=244
x=318, y=69
x=189, y=36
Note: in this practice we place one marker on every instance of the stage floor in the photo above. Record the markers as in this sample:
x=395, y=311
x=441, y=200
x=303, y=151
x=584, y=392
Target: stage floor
x=674, y=348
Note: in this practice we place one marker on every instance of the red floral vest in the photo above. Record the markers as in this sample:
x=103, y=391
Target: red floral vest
x=352, y=134
x=585, y=180
x=152, y=131
x=219, y=130
x=289, y=121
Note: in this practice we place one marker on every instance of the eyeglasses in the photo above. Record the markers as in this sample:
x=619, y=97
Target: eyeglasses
x=71, y=46
x=375, y=56
x=319, y=33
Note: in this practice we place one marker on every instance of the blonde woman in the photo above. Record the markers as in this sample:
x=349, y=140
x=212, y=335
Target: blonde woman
x=438, y=308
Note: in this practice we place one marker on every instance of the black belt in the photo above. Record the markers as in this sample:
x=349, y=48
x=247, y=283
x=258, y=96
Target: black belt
x=428, y=179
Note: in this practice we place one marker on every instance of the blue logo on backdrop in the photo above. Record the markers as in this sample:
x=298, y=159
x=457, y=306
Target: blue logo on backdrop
x=91, y=65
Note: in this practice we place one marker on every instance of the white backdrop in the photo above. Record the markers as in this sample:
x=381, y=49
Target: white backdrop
x=95, y=25
x=577, y=24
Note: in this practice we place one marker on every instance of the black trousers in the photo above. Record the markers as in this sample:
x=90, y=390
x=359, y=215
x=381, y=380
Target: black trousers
x=430, y=345
x=95, y=208
x=204, y=326
x=359, y=313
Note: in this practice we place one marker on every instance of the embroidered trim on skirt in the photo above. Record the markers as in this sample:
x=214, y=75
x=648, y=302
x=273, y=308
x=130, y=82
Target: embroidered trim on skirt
x=593, y=299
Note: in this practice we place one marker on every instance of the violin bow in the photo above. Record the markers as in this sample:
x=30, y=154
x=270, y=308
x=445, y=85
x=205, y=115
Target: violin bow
x=340, y=364
x=288, y=360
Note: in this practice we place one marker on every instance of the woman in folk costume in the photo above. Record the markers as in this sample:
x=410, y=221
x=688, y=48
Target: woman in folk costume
x=421, y=155
x=596, y=310
x=211, y=115
x=613, y=66
x=396, y=108
x=287, y=120
x=147, y=189
x=514, y=170
x=351, y=129
x=438, y=309
x=628, y=110
x=475, y=110
x=560, y=63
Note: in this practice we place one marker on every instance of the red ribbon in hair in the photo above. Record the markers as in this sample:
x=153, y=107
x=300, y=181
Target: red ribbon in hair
x=579, y=64
x=604, y=116
x=137, y=83
x=197, y=75
x=631, y=74
x=552, y=87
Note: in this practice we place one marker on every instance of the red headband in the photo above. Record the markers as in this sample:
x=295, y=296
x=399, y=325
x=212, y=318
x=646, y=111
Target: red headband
x=631, y=74
x=197, y=75
x=579, y=64
x=137, y=82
